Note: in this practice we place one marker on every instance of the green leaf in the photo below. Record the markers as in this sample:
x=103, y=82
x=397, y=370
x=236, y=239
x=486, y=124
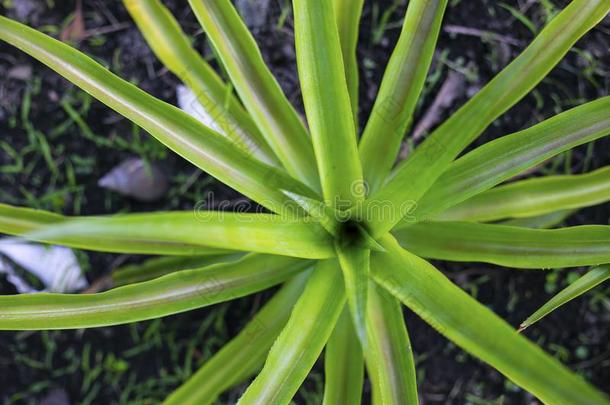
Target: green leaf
x=546, y=221
x=355, y=265
x=245, y=354
x=160, y=266
x=476, y=329
x=327, y=102
x=537, y=196
x=27, y=222
x=180, y=132
x=389, y=356
x=508, y=245
x=257, y=88
x=585, y=283
x=297, y=348
x=163, y=34
x=186, y=233
x=347, y=14
x=424, y=166
x=343, y=364
x=505, y=157
x=400, y=89
x=325, y=215
x=177, y=292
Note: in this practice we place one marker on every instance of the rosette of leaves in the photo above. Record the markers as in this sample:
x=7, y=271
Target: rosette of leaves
x=344, y=232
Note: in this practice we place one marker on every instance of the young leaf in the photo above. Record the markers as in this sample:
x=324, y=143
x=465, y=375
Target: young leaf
x=177, y=292
x=258, y=89
x=187, y=233
x=505, y=157
x=163, y=34
x=180, y=132
x=297, y=348
x=343, y=364
x=508, y=245
x=424, y=166
x=347, y=14
x=476, y=329
x=590, y=280
x=245, y=354
x=160, y=266
x=327, y=102
x=402, y=84
x=389, y=356
x=355, y=265
x=327, y=216
x=537, y=196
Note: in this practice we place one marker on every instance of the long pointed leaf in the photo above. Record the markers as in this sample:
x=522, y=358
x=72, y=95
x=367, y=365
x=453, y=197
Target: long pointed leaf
x=343, y=364
x=178, y=292
x=355, y=265
x=508, y=245
x=258, y=89
x=400, y=89
x=505, y=157
x=590, y=280
x=245, y=354
x=160, y=266
x=327, y=102
x=476, y=329
x=424, y=166
x=389, y=356
x=537, y=196
x=347, y=14
x=25, y=221
x=302, y=340
x=183, y=233
x=180, y=132
x=173, y=48
x=546, y=221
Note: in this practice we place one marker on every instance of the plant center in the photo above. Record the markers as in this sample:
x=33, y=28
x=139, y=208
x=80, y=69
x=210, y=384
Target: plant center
x=350, y=233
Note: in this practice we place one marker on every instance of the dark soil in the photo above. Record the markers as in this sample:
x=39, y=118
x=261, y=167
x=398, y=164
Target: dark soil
x=142, y=363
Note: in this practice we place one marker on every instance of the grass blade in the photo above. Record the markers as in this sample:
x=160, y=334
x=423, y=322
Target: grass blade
x=160, y=266
x=327, y=102
x=300, y=343
x=180, y=132
x=261, y=94
x=585, y=283
x=188, y=233
x=245, y=354
x=508, y=245
x=343, y=364
x=355, y=265
x=532, y=197
x=177, y=292
x=347, y=14
x=476, y=329
x=389, y=356
x=400, y=89
x=424, y=166
x=505, y=157
x=163, y=34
